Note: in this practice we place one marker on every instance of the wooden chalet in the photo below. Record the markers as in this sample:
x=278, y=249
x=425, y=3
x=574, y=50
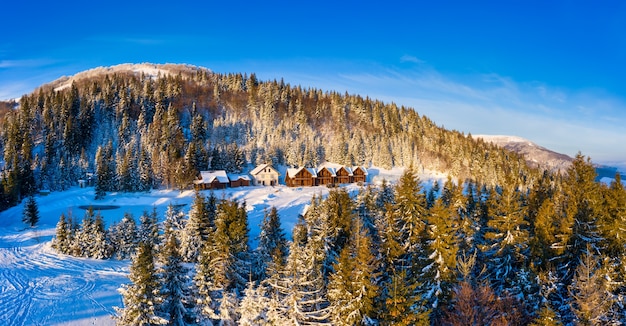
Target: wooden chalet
x=344, y=175
x=325, y=176
x=212, y=180
x=359, y=174
x=302, y=177
x=264, y=175
x=238, y=180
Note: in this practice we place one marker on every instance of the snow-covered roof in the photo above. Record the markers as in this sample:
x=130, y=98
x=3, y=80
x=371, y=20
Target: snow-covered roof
x=293, y=172
x=354, y=168
x=234, y=177
x=210, y=176
x=261, y=167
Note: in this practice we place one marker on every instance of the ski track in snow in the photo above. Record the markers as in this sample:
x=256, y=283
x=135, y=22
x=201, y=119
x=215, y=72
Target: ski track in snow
x=41, y=287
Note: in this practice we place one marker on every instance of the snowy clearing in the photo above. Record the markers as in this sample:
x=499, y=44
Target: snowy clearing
x=41, y=287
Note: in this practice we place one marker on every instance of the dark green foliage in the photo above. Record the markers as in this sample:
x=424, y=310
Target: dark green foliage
x=30, y=215
x=272, y=249
x=142, y=296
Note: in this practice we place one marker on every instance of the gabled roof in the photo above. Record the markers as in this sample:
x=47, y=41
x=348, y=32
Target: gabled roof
x=361, y=168
x=261, y=167
x=235, y=177
x=210, y=176
x=333, y=171
x=291, y=173
x=334, y=167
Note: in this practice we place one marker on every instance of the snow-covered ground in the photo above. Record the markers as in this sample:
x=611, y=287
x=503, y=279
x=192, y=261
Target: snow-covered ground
x=41, y=287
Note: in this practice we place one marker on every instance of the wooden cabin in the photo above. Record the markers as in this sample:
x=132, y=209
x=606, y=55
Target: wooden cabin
x=301, y=177
x=212, y=180
x=359, y=174
x=325, y=176
x=264, y=175
x=344, y=175
x=238, y=180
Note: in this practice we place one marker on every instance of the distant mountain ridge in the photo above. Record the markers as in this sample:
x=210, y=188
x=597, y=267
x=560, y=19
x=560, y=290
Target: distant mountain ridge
x=534, y=154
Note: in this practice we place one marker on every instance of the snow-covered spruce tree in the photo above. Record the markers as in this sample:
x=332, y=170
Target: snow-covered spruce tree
x=507, y=234
x=229, y=246
x=174, y=282
x=124, y=237
x=438, y=276
x=352, y=288
x=410, y=215
x=299, y=288
x=174, y=220
x=101, y=247
x=199, y=226
x=62, y=237
x=582, y=215
x=105, y=170
x=83, y=240
x=253, y=306
x=30, y=215
x=272, y=249
x=141, y=297
x=612, y=227
x=148, y=230
x=205, y=292
x=228, y=315
x=591, y=292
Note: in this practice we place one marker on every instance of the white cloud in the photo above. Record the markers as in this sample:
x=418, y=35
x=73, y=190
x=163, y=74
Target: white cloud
x=410, y=58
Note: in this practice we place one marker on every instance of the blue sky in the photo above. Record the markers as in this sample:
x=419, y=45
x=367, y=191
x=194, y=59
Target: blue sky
x=549, y=71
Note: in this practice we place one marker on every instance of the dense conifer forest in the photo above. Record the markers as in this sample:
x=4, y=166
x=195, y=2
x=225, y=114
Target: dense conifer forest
x=498, y=243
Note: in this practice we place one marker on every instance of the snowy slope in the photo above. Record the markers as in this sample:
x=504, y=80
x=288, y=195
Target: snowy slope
x=535, y=155
x=41, y=287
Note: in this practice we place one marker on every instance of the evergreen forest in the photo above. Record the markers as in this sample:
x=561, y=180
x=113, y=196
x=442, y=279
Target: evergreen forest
x=498, y=243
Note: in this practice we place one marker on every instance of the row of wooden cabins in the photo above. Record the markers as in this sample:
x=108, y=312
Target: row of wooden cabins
x=327, y=174
x=266, y=175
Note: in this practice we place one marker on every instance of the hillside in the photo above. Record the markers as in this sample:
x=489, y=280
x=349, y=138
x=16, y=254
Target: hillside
x=534, y=154
x=158, y=125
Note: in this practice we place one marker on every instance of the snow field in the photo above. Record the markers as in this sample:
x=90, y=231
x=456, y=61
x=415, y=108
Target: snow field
x=38, y=286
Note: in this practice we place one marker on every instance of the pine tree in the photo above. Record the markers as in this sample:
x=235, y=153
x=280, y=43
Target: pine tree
x=228, y=310
x=62, y=236
x=402, y=306
x=590, y=292
x=30, y=215
x=253, y=306
x=272, y=248
x=441, y=252
x=124, y=237
x=141, y=297
x=352, y=288
x=204, y=288
x=174, y=281
x=199, y=226
x=100, y=247
x=149, y=228
x=229, y=246
x=507, y=237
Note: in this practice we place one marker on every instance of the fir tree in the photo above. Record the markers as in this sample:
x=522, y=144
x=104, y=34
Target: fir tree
x=352, y=288
x=198, y=227
x=174, y=282
x=272, y=248
x=253, y=306
x=62, y=236
x=148, y=228
x=590, y=292
x=441, y=252
x=141, y=296
x=30, y=215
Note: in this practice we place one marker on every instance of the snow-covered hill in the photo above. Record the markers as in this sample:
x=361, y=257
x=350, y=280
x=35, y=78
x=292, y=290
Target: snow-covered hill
x=148, y=69
x=535, y=155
